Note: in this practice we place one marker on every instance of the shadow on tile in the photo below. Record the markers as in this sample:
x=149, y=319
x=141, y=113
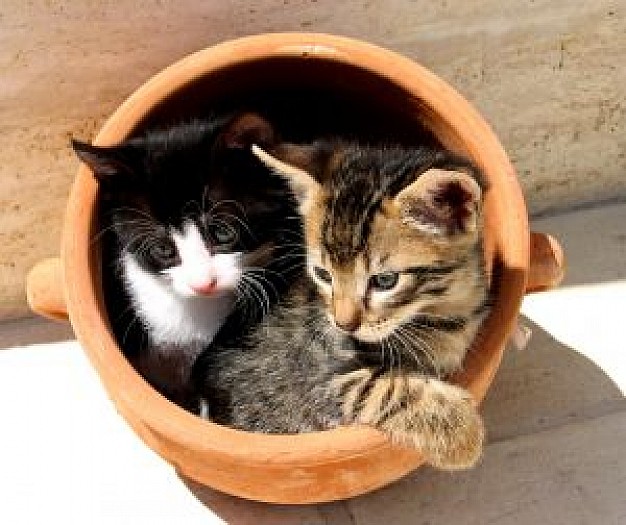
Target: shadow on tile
x=33, y=330
x=571, y=474
x=546, y=385
x=236, y=511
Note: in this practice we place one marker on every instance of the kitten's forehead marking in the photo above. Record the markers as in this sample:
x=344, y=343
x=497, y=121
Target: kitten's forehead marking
x=346, y=225
x=190, y=244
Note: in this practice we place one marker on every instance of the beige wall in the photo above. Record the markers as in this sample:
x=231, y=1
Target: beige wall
x=550, y=75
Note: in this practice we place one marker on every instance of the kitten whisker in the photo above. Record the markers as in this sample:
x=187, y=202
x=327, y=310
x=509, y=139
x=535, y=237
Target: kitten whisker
x=254, y=269
x=240, y=221
x=257, y=288
x=135, y=320
x=247, y=296
x=141, y=225
x=296, y=232
x=299, y=256
x=410, y=340
x=420, y=337
x=128, y=247
x=131, y=210
x=224, y=202
x=407, y=345
x=258, y=274
x=244, y=302
x=293, y=245
x=98, y=235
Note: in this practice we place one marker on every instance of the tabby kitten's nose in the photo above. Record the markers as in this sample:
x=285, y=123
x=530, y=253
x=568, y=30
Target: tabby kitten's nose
x=347, y=315
x=348, y=325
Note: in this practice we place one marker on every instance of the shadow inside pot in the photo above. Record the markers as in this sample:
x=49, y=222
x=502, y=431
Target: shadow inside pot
x=305, y=100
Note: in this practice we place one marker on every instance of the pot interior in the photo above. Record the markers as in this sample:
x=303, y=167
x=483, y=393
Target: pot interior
x=304, y=98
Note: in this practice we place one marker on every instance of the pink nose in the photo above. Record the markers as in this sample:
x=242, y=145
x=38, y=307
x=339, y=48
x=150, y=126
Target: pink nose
x=204, y=288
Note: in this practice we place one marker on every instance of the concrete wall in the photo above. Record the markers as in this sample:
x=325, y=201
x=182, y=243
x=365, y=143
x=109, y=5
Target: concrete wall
x=550, y=76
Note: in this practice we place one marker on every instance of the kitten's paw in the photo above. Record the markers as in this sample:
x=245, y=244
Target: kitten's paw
x=441, y=421
x=455, y=431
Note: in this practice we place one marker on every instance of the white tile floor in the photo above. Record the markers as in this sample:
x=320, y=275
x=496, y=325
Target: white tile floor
x=556, y=416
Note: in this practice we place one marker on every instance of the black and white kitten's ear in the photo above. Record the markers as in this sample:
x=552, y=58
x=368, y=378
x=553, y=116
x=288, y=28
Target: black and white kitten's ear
x=441, y=202
x=247, y=129
x=108, y=164
x=302, y=184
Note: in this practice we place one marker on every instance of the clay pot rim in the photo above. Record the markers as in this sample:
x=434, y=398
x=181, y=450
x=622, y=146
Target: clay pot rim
x=169, y=421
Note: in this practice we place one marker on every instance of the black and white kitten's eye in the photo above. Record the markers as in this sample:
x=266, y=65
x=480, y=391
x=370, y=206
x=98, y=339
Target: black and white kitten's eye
x=384, y=281
x=223, y=234
x=163, y=250
x=322, y=274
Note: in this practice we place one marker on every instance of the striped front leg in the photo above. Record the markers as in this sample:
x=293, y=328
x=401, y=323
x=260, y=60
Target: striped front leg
x=435, y=417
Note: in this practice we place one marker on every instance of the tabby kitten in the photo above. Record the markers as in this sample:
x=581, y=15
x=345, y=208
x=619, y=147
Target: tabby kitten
x=193, y=227
x=393, y=295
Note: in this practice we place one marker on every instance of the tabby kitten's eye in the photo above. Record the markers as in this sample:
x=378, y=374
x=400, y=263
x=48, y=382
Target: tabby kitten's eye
x=384, y=281
x=163, y=250
x=322, y=274
x=223, y=234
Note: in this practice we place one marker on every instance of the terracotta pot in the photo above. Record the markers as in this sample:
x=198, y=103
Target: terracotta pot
x=320, y=466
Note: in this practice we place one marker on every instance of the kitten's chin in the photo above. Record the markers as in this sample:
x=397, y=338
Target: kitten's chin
x=363, y=334
x=377, y=335
x=366, y=337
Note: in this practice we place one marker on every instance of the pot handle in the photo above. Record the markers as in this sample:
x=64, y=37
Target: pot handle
x=547, y=263
x=44, y=289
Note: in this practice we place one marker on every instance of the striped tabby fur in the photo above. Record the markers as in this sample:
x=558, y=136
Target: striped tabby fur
x=393, y=294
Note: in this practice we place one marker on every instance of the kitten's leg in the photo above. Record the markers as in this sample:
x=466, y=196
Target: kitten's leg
x=435, y=417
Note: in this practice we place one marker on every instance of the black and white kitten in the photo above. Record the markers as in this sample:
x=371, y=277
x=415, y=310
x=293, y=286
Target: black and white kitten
x=194, y=228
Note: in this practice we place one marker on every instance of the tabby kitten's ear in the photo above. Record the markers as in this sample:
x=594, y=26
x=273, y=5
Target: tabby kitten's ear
x=247, y=129
x=441, y=202
x=304, y=187
x=110, y=164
